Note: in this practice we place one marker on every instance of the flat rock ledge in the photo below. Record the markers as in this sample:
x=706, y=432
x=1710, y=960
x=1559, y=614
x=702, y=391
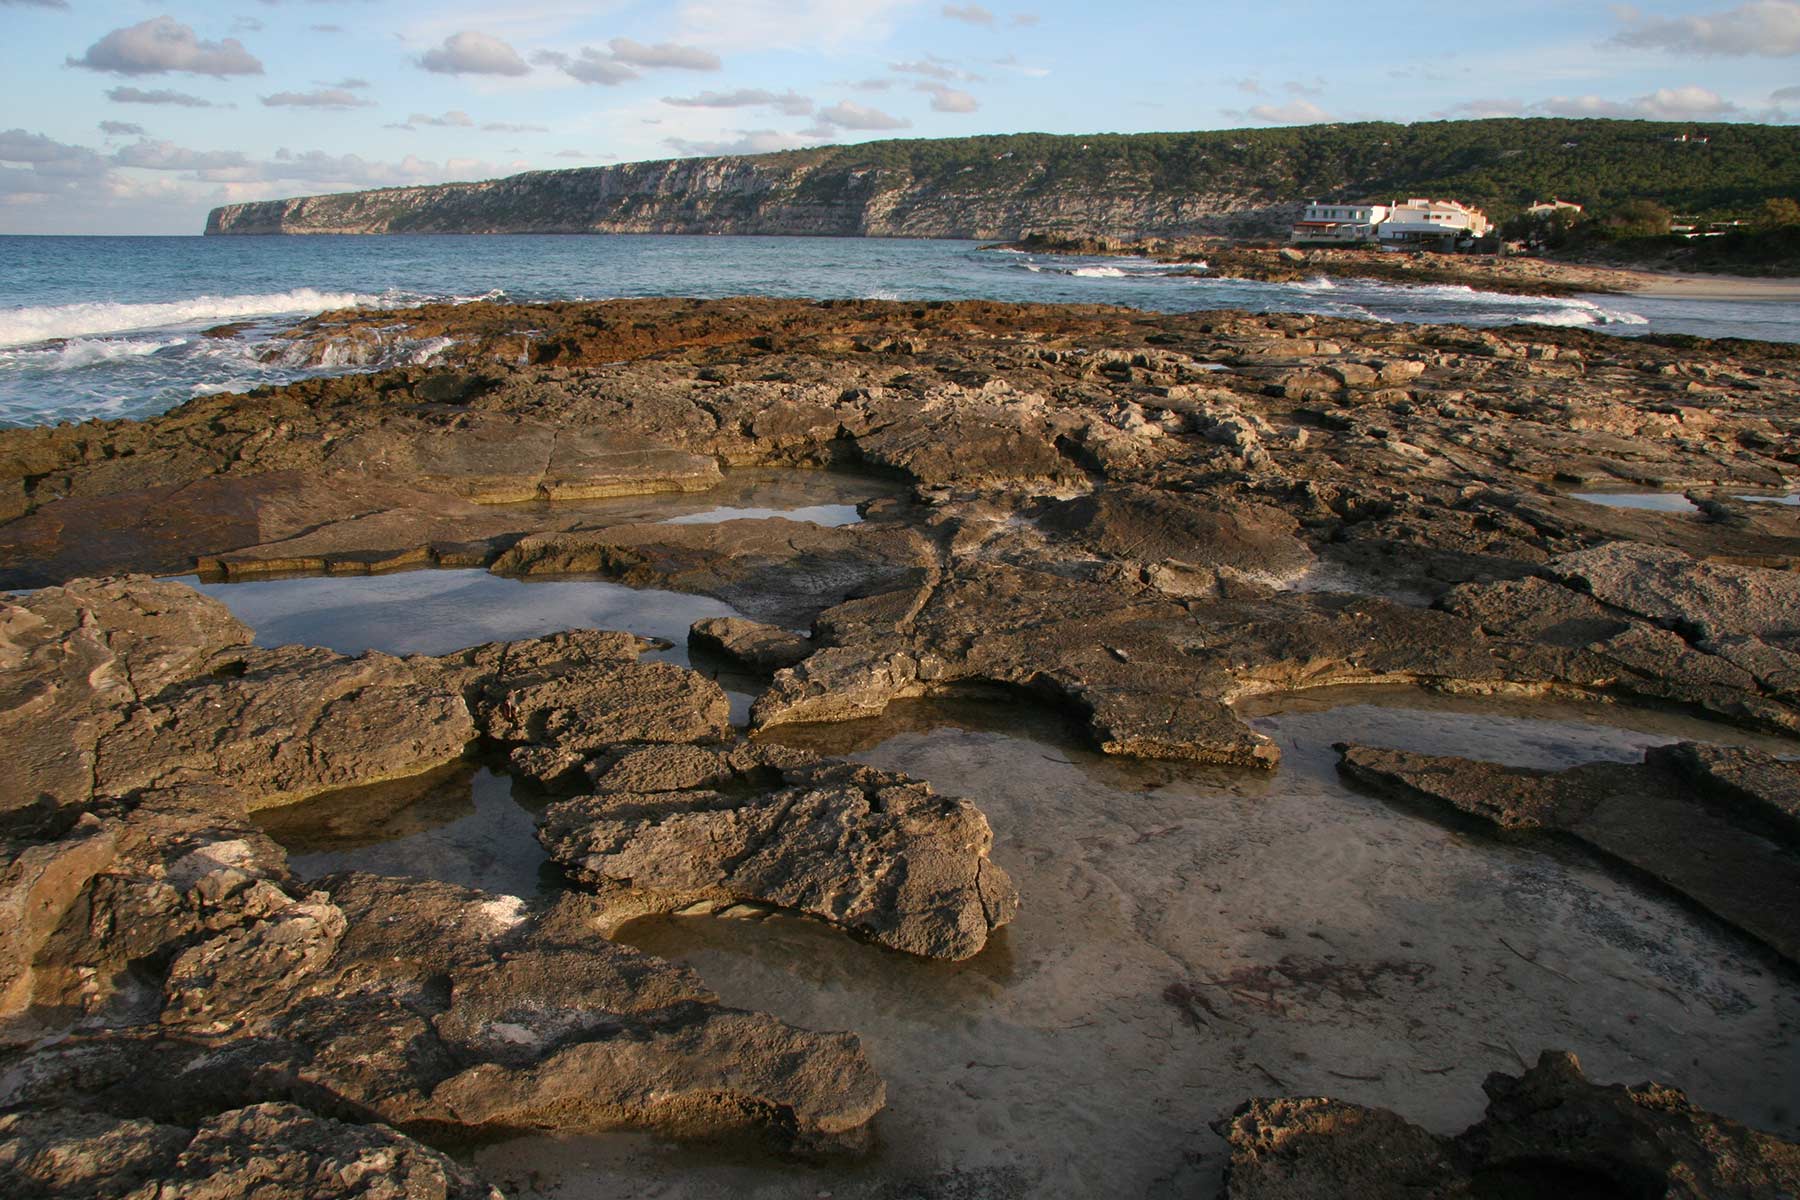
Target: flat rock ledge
x=675, y=829
x=164, y=977
x=1548, y=1132
x=1714, y=824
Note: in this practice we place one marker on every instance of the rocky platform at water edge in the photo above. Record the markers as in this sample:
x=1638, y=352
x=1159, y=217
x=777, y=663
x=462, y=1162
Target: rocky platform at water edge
x=1227, y=259
x=1142, y=519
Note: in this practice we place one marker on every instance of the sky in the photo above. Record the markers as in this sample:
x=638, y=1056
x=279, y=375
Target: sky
x=121, y=116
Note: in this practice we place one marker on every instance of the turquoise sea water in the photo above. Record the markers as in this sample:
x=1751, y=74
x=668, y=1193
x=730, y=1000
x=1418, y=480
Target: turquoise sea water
x=109, y=327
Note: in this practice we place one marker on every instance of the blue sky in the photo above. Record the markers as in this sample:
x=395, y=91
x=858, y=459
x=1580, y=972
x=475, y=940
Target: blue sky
x=121, y=116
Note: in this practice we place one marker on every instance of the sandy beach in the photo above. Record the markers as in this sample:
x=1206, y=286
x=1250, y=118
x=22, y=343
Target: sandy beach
x=1712, y=287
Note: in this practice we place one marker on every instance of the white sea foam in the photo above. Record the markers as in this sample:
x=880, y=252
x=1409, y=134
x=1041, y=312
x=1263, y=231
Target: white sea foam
x=27, y=325
x=85, y=352
x=1099, y=272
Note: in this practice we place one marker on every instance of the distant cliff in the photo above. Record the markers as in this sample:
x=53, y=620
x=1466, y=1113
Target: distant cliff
x=1234, y=181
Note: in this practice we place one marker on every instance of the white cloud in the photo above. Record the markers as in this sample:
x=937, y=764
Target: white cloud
x=131, y=95
x=747, y=141
x=1769, y=28
x=167, y=156
x=848, y=114
x=589, y=66
x=48, y=156
x=663, y=54
x=948, y=99
x=121, y=129
x=1011, y=63
x=1295, y=112
x=474, y=53
x=319, y=98
x=972, y=14
x=163, y=44
x=1688, y=103
x=790, y=102
x=1786, y=93
x=932, y=67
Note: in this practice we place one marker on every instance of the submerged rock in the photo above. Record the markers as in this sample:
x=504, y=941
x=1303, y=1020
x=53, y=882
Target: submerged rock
x=1548, y=1132
x=1651, y=816
x=872, y=851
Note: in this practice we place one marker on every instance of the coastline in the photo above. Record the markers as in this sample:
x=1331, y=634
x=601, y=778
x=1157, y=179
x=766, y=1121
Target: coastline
x=1289, y=264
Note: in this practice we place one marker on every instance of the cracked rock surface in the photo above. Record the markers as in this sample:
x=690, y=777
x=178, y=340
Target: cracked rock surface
x=872, y=851
x=1142, y=519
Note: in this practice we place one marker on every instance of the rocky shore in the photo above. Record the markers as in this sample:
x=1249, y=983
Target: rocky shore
x=1142, y=522
x=1226, y=259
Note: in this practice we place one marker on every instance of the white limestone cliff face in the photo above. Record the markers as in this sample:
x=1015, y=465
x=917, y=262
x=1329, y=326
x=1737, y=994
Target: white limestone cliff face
x=785, y=194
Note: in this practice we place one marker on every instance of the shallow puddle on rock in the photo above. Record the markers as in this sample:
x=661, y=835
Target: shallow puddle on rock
x=1792, y=499
x=1194, y=937
x=816, y=514
x=462, y=824
x=1550, y=735
x=438, y=611
x=1668, y=502
x=825, y=497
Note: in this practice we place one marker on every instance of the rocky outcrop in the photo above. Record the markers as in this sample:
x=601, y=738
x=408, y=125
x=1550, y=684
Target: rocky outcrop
x=1693, y=818
x=270, y=1151
x=430, y=1007
x=683, y=829
x=1548, y=1132
x=163, y=966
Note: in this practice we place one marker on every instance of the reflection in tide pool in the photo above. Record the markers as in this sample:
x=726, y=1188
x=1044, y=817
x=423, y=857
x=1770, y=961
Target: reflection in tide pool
x=816, y=514
x=1669, y=502
x=436, y=612
x=461, y=824
x=1194, y=936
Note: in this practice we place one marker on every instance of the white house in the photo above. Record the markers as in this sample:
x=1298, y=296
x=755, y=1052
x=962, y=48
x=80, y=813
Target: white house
x=1415, y=222
x=1422, y=222
x=1549, y=208
x=1339, y=224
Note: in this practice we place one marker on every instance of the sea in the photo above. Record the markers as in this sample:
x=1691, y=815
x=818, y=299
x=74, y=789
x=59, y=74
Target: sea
x=109, y=327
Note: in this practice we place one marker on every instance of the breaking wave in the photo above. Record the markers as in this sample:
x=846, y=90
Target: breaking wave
x=25, y=326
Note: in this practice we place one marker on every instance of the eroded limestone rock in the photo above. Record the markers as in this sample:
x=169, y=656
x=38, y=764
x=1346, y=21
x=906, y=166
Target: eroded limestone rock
x=872, y=851
x=269, y=1151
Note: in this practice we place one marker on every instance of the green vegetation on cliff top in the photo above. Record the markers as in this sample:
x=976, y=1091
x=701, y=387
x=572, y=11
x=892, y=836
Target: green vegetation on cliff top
x=1502, y=165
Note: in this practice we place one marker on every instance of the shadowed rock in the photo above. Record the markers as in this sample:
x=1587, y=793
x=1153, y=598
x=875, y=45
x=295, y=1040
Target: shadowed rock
x=1648, y=816
x=270, y=1151
x=757, y=646
x=1548, y=1132
x=872, y=851
x=431, y=1007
